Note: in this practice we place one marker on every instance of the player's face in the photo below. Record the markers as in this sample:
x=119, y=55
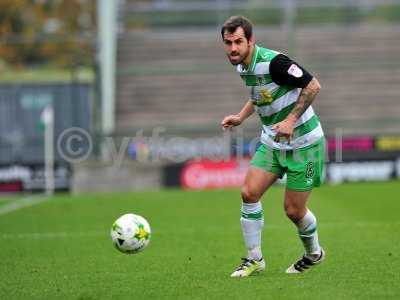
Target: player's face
x=236, y=46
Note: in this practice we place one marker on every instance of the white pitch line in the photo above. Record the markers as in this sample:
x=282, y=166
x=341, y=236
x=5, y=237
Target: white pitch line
x=51, y=235
x=104, y=233
x=22, y=203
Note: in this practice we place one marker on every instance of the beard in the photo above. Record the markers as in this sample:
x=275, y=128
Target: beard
x=238, y=58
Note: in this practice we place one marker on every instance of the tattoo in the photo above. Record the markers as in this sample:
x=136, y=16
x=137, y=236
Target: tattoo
x=306, y=97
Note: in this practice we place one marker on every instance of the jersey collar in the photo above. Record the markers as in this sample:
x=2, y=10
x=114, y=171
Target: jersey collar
x=254, y=59
x=253, y=62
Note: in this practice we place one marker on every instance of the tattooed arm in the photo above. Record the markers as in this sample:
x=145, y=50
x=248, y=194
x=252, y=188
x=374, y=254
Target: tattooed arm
x=306, y=97
x=286, y=72
x=285, y=128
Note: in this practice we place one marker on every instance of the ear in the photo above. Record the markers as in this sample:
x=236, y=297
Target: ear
x=252, y=40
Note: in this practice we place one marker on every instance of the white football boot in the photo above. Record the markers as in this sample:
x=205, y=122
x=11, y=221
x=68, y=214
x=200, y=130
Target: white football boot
x=249, y=267
x=305, y=263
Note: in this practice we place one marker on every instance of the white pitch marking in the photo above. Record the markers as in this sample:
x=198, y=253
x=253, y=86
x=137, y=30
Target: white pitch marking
x=52, y=235
x=22, y=203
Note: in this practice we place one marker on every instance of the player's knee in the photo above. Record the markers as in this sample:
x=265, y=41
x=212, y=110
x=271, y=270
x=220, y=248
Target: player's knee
x=249, y=195
x=293, y=212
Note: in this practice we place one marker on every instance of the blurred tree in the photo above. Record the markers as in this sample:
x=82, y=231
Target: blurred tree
x=46, y=32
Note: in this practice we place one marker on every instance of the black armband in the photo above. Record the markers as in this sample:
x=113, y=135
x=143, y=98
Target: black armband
x=285, y=71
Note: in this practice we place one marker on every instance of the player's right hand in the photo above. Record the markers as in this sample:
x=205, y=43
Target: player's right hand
x=230, y=121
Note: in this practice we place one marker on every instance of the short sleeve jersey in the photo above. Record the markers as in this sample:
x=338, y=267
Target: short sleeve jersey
x=275, y=82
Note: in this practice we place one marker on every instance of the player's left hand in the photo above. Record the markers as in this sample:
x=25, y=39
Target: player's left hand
x=284, y=129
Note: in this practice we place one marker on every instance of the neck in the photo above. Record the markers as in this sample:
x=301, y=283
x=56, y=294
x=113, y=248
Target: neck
x=248, y=59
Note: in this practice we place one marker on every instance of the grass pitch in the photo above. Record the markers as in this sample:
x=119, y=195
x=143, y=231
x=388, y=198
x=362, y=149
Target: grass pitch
x=61, y=249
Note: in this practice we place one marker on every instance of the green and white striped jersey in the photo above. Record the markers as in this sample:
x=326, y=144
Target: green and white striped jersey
x=273, y=102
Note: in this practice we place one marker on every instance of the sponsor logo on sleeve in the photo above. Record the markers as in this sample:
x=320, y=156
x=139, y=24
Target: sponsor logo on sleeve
x=295, y=71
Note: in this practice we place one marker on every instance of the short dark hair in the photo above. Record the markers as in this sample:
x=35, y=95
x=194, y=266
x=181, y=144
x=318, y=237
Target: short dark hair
x=234, y=22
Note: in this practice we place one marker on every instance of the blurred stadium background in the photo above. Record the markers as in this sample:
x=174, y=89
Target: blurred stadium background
x=99, y=99
x=125, y=71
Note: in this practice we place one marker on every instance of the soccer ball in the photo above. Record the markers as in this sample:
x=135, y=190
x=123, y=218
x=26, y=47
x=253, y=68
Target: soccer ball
x=130, y=233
